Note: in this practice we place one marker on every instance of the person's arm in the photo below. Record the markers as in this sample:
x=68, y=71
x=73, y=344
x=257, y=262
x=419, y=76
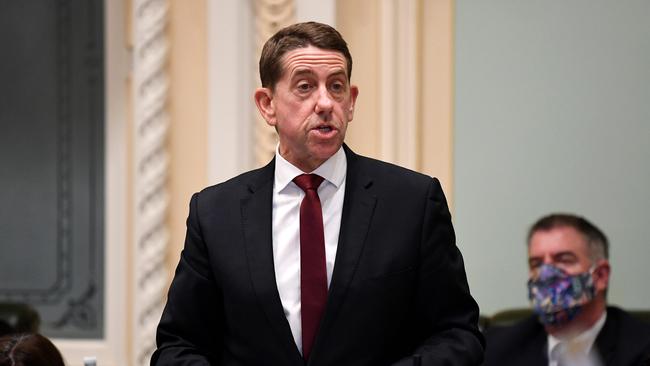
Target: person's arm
x=447, y=313
x=189, y=332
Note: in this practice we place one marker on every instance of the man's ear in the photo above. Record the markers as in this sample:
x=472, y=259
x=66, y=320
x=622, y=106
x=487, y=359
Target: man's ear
x=354, y=92
x=601, y=275
x=264, y=102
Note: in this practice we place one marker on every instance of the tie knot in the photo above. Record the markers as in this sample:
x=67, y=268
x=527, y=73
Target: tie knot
x=308, y=181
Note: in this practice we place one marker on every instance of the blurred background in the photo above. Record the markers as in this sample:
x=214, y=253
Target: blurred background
x=112, y=113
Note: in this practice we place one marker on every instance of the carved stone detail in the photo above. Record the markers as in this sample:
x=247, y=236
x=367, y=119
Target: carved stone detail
x=150, y=171
x=270, y=16
x=80, y=313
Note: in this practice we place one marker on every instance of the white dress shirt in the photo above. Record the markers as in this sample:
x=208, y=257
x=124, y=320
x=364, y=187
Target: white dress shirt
x=287, y=197
x=584, y=342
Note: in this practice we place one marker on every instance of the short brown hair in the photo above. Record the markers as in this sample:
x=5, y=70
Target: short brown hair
x=295, y=36
x=596, y=240
x=28, y=349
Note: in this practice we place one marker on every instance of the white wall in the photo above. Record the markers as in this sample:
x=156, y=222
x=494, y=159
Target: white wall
x=323, y=11
x=552, y=113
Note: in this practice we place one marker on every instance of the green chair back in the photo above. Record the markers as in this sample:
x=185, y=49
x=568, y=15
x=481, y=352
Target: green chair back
x=509, y=317
x=20, y=317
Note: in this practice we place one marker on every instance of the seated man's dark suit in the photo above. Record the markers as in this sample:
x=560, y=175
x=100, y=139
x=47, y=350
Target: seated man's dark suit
x=623, y=341
x=398, y=285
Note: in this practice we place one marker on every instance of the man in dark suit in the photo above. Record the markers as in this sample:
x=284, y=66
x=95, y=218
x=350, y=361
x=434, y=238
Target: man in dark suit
x=569, y=276
x=322, y=257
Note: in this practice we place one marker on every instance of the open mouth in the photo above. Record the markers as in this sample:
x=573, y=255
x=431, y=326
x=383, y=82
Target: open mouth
x=324, y=131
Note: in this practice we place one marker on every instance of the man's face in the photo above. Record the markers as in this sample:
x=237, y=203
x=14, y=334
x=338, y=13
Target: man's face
x=311, y=106
x=563, y=247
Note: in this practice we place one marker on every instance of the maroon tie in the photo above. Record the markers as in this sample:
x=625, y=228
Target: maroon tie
x=313, y=274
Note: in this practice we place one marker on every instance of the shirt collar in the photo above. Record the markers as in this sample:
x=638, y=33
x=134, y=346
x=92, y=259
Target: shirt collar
x=332, y=170
x=586, y=338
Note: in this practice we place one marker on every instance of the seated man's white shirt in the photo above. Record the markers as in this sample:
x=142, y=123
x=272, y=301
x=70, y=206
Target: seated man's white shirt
x=585, y=341
x=287, y=197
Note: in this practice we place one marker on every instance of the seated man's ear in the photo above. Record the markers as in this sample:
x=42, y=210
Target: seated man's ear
x=266, y=106
x=601, y=275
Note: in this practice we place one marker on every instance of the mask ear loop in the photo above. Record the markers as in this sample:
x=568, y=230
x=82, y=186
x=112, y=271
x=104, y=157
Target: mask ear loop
x=592, y=270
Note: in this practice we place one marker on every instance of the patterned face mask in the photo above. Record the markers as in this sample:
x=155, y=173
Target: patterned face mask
x=557, y=297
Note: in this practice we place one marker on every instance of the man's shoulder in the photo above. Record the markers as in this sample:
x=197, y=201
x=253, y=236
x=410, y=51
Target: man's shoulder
x=239, y=185
x=373, y=164
x=629, y=318
x=625, y=327
x=515, y=344
x=389, y=173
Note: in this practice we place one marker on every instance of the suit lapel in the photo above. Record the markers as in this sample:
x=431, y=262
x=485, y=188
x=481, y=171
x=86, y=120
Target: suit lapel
x=256, y=212
x=607, y=338
x=358, y=208
x=539, y=349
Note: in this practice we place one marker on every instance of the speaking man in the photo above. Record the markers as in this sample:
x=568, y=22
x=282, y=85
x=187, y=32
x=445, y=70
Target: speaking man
x=322, y=257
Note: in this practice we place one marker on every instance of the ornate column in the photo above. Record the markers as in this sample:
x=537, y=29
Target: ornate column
x=270, y=16
x=150, y=162
x=399, y=116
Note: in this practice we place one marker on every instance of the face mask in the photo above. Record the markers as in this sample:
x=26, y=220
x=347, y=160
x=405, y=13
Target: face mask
x=557, y=297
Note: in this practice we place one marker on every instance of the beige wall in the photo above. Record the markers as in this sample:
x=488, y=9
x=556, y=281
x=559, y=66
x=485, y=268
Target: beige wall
x=188, y=111
x=436, y=88
x=364, y=23
x=358, y=22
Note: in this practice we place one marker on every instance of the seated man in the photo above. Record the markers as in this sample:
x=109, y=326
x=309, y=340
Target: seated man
x=569, y=275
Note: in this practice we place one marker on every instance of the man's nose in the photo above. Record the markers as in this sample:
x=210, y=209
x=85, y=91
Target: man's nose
x=548, y=259
x=324, y=102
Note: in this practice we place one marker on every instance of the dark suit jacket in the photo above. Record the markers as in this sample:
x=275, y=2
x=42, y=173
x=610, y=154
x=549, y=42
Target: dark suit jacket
x=398, y=286
x=623, y=341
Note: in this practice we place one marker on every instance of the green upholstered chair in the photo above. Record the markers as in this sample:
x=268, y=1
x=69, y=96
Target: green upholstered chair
x=483, y=322
x=641, y=314
x=19, y=317
x=509, y=316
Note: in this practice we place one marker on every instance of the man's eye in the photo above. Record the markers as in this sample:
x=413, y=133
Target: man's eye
x=534, y=264
x=566, y=259
x=337, y=87
x=304, y=87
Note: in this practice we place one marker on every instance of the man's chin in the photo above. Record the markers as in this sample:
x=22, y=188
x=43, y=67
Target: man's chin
x=564, y=329
x=325, y=150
